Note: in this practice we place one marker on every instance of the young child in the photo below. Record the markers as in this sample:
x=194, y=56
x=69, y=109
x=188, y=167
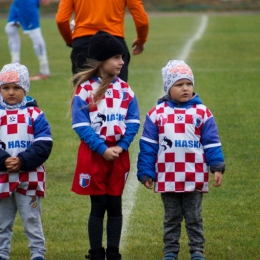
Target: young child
x=179, y=141
x=105, y=115
x=26, y=143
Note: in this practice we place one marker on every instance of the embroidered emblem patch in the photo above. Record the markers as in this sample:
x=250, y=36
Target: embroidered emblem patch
x=28, y=119
x=84, y=180
x=123, y=94
x=197, y=120
x=162, y=120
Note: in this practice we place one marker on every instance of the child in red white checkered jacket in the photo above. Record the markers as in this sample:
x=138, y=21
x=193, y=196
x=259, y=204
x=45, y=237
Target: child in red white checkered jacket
x=105, y=116
x=25, y=144
x=179, y=141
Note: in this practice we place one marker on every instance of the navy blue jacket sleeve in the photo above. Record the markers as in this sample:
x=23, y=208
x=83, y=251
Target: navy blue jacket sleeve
x=35, y=155
x=39, y=151
x=3, y=156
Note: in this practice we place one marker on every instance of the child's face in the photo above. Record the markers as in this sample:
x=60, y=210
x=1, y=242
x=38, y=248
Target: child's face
x=181, y=91
x=12, y=93
x=111, y=66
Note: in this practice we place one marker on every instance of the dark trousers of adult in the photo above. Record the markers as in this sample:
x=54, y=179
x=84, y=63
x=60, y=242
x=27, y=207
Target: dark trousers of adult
x=79, y=56
x=177, y=206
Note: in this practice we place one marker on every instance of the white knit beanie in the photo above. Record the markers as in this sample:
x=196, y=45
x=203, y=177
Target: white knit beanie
x=15, y=73
x=174, y=71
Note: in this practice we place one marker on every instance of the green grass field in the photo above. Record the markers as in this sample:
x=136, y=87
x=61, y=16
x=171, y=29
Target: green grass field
x=226, y=65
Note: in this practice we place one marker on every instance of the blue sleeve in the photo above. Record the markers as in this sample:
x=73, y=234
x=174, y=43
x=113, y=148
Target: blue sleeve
x=35, y=155
x=211, y=143
x=214, y=155
x=3, y=156
x=131, y=131
x=95, y=143
x=149, y=148
x=133, y=111
x=42, y=130
x=150, y=130
x=147, y=159
x=81, y=124
x=80, y=112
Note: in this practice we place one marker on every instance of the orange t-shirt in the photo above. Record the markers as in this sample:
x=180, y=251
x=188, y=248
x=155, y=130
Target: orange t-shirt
x=107, y=15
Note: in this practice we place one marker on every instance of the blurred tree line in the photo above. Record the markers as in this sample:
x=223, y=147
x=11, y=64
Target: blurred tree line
x=169, y=5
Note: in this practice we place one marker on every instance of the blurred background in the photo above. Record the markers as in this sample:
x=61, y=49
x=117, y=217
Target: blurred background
x=169, y=5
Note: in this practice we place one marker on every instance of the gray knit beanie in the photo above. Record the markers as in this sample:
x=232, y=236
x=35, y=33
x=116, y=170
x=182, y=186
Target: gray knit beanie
x=174, y=71
x=15, y=73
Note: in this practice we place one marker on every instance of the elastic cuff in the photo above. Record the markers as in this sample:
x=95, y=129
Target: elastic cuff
x=220, y=167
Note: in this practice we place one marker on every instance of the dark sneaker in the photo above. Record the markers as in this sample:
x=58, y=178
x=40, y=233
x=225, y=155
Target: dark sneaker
x=39, y=77
x=170, y=256
x=197, y=256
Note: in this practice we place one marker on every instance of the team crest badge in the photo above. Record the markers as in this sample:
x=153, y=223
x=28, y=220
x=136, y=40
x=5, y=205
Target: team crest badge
x=197, y=120
x=162, y=120
x=28, y=119
x=84, y=180
x=123, y=94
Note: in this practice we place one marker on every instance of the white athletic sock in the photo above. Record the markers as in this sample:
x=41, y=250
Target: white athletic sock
x=44, y=65
x=15, y=57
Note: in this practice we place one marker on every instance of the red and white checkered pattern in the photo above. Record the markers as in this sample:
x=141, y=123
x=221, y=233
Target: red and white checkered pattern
x=182, y=166
x=27, y=183
x=115, y=103
x=17, y=129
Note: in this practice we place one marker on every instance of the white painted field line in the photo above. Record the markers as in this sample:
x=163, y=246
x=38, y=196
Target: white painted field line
x=129, y=195
x=188, y=46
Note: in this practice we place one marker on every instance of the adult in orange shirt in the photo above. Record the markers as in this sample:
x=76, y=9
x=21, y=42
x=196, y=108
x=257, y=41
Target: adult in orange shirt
x=92, y=16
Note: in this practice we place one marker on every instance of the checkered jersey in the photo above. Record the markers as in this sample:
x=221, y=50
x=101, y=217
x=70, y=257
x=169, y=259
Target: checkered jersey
x=108, y=119
x=181, y=164
x=16, y=135
x=27, y=183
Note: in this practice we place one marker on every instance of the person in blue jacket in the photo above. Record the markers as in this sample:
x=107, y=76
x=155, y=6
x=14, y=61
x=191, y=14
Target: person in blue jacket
x=179, y=142
x=25, y=13
x=26, y=143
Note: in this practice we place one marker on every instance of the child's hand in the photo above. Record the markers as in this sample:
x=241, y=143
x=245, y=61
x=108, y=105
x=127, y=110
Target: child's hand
x=217, y=179
x=148, y=184
x=110, y=154
x=117, y=149
x=13, y=164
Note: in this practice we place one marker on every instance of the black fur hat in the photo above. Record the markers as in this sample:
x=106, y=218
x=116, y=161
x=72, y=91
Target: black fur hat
x=103, y=46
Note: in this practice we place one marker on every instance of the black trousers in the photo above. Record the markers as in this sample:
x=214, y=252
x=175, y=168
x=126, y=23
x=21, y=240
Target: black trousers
x=79, y=56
